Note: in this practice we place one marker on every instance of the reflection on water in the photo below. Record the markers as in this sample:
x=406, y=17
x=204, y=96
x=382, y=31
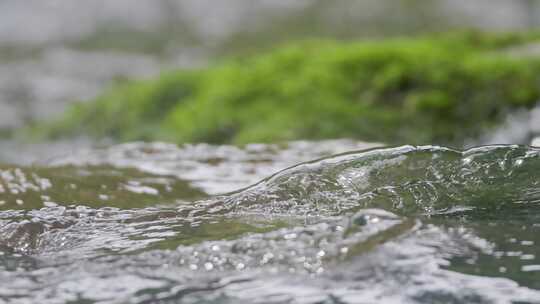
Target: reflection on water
x=98, y=186
x=135, y=223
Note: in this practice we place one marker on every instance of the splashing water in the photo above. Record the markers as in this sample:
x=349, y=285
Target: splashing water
x=141, y=223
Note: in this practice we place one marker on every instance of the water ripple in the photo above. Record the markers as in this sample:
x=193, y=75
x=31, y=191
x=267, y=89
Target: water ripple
x=406, y=224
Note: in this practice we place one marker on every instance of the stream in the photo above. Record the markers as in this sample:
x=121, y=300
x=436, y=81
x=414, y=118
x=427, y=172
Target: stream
x=303, y=222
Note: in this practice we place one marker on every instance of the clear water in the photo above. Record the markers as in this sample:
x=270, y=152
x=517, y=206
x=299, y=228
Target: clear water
x=149, y=223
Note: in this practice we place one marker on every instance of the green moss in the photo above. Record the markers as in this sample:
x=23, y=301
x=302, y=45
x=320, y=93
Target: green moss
x=132, y=110
x=441, y=89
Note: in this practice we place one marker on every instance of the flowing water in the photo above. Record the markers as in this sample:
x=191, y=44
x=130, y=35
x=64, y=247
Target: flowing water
x=149, y=223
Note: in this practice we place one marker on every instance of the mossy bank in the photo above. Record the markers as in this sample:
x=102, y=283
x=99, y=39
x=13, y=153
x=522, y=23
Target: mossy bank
x=442, y=89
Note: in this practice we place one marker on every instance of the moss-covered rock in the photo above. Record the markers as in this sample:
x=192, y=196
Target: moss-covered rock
x=417, y=90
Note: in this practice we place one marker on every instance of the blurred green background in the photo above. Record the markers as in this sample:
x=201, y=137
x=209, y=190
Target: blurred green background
x=238, y=71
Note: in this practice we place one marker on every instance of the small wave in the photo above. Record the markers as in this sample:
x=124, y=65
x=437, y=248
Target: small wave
x=406, y=224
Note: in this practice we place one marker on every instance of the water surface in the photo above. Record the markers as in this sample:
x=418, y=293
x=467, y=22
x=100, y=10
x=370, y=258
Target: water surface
x=153, y=222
